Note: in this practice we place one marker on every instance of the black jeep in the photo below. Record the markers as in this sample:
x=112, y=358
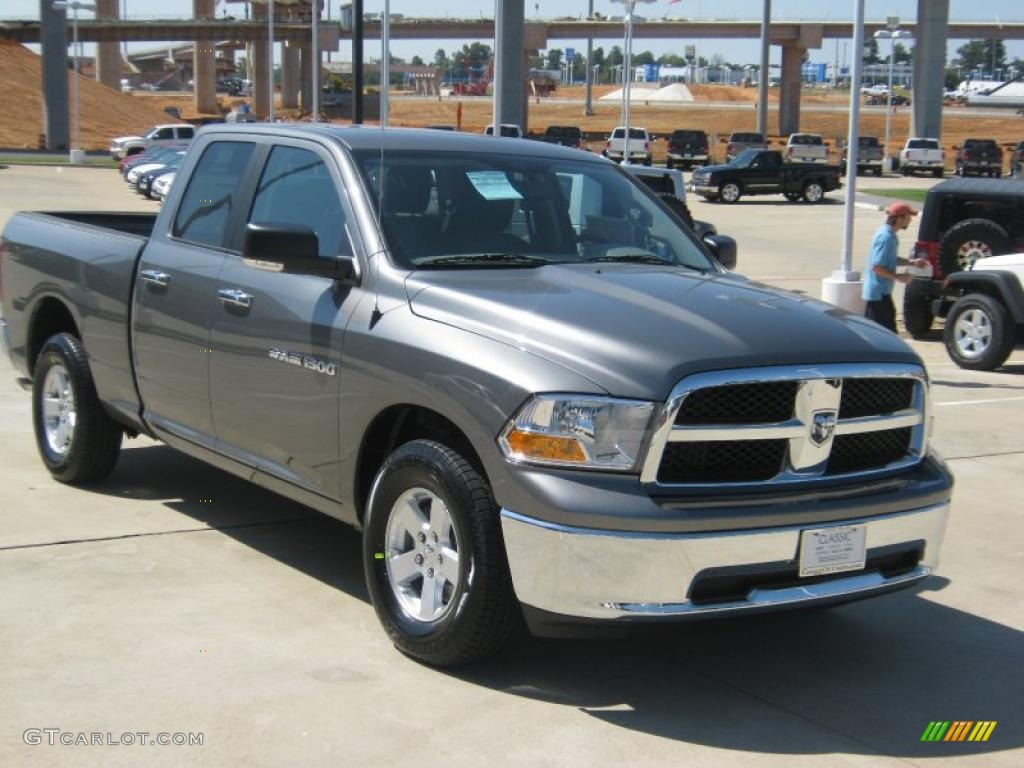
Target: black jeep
x=963, y=221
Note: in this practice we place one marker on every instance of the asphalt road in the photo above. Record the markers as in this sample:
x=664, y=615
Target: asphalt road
x=175, y=598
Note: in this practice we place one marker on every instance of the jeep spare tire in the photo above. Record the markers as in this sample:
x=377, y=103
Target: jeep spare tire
x=970, y=240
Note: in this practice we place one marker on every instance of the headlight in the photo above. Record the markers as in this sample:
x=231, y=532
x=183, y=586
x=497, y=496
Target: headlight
x=578, y=431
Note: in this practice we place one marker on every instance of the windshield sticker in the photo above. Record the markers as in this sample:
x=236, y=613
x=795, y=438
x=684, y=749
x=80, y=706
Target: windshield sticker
x=493, y=185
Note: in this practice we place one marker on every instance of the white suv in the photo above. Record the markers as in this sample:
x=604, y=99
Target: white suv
x=158, y=135
x=639, y=146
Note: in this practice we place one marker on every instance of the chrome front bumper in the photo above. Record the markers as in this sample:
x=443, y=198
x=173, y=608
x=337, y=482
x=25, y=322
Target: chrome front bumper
x=704, y=189
x=596, y=574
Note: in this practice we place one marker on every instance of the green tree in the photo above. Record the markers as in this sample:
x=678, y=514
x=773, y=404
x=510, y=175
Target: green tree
x=645, y=57
x=417, y=62
x=671, y=60
x=242, y=67
x=554, y=59
x=871, y=52
x=902, y=55
x=981, y=54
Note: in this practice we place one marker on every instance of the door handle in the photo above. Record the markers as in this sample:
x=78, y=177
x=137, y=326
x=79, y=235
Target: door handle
x=234, y=297
x=155, y=278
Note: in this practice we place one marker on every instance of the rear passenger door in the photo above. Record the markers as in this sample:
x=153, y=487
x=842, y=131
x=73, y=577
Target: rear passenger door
x=176, y=290
x=278, y=337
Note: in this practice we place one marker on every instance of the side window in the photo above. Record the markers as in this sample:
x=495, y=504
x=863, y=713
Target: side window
x=297, y=188
x=212, y=193
x=165, y=133
x=186, y=133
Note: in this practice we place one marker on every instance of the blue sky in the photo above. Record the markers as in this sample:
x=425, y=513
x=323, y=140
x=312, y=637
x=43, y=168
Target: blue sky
x=734, y=50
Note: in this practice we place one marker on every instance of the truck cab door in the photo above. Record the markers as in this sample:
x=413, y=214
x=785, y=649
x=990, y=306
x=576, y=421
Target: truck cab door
x=765, y=173
x=277, y=337
x=175, y=295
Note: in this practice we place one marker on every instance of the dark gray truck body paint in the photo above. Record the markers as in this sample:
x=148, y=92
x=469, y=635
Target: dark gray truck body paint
x=470, y=345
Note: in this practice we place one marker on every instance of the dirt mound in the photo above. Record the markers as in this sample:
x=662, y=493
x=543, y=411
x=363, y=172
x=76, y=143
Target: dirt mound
x=105, y=113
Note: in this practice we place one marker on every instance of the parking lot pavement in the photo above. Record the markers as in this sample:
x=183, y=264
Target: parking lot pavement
x=175, y=598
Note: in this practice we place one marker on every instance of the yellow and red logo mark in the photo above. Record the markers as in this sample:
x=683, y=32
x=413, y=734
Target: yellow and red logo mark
x=959, y=730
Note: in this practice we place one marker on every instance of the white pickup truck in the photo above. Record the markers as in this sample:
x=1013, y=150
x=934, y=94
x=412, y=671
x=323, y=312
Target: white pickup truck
x=806, y=148
x=639, y=146
x=158, y=135
x=923, y=155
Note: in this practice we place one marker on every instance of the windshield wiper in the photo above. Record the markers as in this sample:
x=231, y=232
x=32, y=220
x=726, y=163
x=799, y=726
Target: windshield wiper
x=637, y=258
x=484, y=259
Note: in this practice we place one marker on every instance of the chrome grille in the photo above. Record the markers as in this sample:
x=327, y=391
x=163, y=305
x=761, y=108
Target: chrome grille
x=789, y=425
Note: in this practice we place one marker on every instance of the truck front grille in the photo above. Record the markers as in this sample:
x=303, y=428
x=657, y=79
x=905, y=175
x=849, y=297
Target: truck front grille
x=789, y=425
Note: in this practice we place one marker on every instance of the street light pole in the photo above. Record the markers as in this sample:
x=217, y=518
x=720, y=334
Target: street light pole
x=76, y=154
x=385, y=63
x=627, y=75
x=893, y=33
x=588, y=107
x=270, y=62
x=315, y=96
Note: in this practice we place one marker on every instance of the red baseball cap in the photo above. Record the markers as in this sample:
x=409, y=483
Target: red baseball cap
x=900, y=209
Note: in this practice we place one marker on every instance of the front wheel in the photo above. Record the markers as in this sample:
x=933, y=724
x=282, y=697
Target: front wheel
x=730, y=192
x=434, y=557
x=792, y=196
x=979, y=335
x=77, y=440
x=814, y=192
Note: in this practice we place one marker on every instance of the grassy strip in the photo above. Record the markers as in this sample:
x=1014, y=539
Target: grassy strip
x=913, y=195
x=18, y=159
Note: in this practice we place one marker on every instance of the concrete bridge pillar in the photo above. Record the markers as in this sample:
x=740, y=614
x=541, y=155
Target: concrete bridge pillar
x=789, y=94
x=204, y=63
x=258, y=68
x=930, y=67
x=513, y=92
x=290, y=63
x=54, y=38
x=108, y=55
x=305, y=77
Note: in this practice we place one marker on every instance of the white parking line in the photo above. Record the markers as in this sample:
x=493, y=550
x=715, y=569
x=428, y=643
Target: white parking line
x=981, y=402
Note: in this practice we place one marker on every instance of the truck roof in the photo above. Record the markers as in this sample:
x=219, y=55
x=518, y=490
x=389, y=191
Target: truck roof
x=397, y=139
x=1011, y=188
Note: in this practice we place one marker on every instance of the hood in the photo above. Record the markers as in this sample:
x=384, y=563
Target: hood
x=709, y=169
x=126, y=139
x=1000, y=262
x=635, y=330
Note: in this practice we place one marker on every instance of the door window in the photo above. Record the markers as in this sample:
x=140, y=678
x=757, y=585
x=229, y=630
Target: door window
x=165, y=133
x=212, y=193
x=297, y=188
x=186, y=133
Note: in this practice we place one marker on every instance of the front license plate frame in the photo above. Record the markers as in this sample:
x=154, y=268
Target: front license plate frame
x=836, y=549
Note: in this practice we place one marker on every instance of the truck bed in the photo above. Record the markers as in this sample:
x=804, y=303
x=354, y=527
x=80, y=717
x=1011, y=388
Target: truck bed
x=88, y=259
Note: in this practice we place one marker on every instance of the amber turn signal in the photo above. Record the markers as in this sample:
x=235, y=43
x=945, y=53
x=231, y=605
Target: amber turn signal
x=529, y=445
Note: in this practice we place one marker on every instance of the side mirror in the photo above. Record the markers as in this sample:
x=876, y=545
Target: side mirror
x=293, y=249
x=722, y=248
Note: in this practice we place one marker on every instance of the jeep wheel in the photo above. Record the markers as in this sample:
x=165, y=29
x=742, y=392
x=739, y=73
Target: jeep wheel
x=730, y=192
x=77, y=440
x=814, y=192
x=435, y=559
x=979, y=335
x=917, y=314
x=970, y=240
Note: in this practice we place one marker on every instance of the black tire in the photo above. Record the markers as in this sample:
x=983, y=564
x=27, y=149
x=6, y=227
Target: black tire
x=938, y=173
x=679, y=207
x=792, y=196
x=813, y=191
x=878, y=171
x=92, y=448
x=668, y=164
x=733, y=189
x=969, y=240
x=647, y=161
x=482, y=611
x=917, y=314
x=985, y=353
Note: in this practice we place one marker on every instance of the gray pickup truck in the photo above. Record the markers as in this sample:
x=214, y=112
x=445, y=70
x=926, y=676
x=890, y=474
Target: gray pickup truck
x=537, y=394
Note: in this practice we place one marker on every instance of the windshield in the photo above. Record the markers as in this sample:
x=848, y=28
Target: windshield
x=634, y=133
x=868, y=141
x=747, y=138
x=806, y=139
x=922, y=144
x=745, y=158
x=460, y=209
x=690, y=136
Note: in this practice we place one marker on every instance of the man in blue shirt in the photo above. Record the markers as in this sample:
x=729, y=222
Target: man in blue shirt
x=880, y=274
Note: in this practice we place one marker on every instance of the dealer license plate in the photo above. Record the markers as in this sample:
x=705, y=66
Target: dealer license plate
x=832, y=550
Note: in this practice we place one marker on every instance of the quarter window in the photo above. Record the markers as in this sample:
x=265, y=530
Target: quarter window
x=212, y=193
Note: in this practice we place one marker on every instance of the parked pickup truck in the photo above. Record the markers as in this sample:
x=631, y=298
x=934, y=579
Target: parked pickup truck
x=532, y=389
x=639, y=149
x=157, y=136
x=740, y=141
x=565, y=135
x=806, y=148
x=869, y=155
x=763, y=172
x=923, y=155
x=979, y=157
x=687, y=148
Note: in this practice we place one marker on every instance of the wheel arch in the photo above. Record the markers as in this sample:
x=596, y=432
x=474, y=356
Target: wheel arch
x=398, y=424
x=1003, y=287
x=50, y=315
